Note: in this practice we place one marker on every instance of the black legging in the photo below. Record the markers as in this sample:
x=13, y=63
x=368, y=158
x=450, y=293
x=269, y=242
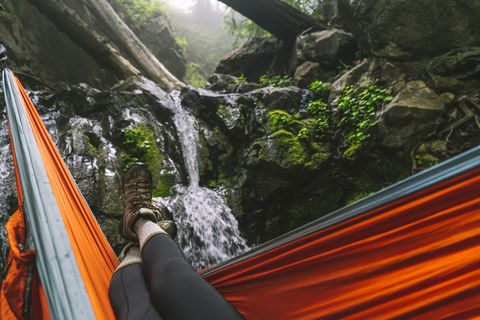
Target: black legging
x=176, y=291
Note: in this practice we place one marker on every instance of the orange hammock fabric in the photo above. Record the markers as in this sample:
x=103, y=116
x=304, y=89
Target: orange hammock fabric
x=96, y=259
x=416, y=258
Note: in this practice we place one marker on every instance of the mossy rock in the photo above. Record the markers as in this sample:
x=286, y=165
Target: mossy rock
x=167, y=181
x=139, y=146
x=280, y=120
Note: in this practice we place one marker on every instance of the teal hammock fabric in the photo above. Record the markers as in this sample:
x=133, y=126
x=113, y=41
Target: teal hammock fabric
x=56, y=263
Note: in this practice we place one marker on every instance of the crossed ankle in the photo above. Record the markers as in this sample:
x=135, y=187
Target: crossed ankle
x=146, y=229
x=132, y=256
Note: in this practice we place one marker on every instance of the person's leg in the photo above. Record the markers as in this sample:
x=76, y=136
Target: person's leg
x=177, y=291
x=128, y=292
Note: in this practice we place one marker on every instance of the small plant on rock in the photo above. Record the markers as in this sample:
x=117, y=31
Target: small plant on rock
x=275, y=81
x=320, y=88
x=349, y=114
x=139, y=145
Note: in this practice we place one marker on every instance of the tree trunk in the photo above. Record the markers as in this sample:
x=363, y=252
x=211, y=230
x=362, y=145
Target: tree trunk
x=80, y=33
x=275, y=16
x=129, y=42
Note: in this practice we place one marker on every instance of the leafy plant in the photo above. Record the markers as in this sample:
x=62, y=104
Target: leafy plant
x=194, y=75
x=182, y=41
x=341, y=71
x=420, y=161
x=242, y=78
x=139, y=145
x=319, y=88
x=352, y=114
x=276, y=81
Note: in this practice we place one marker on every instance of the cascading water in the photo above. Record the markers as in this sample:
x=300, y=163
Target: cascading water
x=208, y=231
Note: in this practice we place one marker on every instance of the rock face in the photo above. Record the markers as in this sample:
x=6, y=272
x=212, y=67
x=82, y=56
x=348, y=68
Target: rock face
x=289, y=99
x=327, y=47
x=411, y=29
x=252, y=58
x=414, y=113
x=307, y=73
x=157, y=35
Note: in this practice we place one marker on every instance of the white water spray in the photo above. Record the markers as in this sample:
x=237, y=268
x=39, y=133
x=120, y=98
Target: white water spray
x=207, y=230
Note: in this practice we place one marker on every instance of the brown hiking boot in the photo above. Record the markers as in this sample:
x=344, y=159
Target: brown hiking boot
x=137, y=188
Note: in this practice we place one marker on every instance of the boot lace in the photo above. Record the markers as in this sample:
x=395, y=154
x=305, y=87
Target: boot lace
x=141, y=197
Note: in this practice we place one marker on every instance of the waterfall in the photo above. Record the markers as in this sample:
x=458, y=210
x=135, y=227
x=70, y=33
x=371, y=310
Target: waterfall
x=207, y=230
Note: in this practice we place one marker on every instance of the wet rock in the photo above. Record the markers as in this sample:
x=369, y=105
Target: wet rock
x=414, y=113
x=327, y=47
x=231, y=112
x=288, y=99
x=243, y=87
x=203, y=103
x=307, y=73
x=252, y=58
x=149, y=94
x=412, y=29
x=220, y=82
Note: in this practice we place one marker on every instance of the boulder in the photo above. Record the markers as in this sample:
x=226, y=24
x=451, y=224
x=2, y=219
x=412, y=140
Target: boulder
x=352, y=77
x=149, y=94
x=252, y=58
x=288, y=99
x=414, y=113
x=412, y=29
x=158, y=37
x=329, y=48
x=307, y=73
x=229, y=84
x=220, y=82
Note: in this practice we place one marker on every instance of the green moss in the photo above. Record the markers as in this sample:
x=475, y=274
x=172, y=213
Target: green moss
x=225, y=181
x=204, y=160
x=220, y=138
x=350, y=152
x=292, y=149
x=280, y=120
x=167, y=180
x=212, y=184
x=6, y=15
x=140, y=146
